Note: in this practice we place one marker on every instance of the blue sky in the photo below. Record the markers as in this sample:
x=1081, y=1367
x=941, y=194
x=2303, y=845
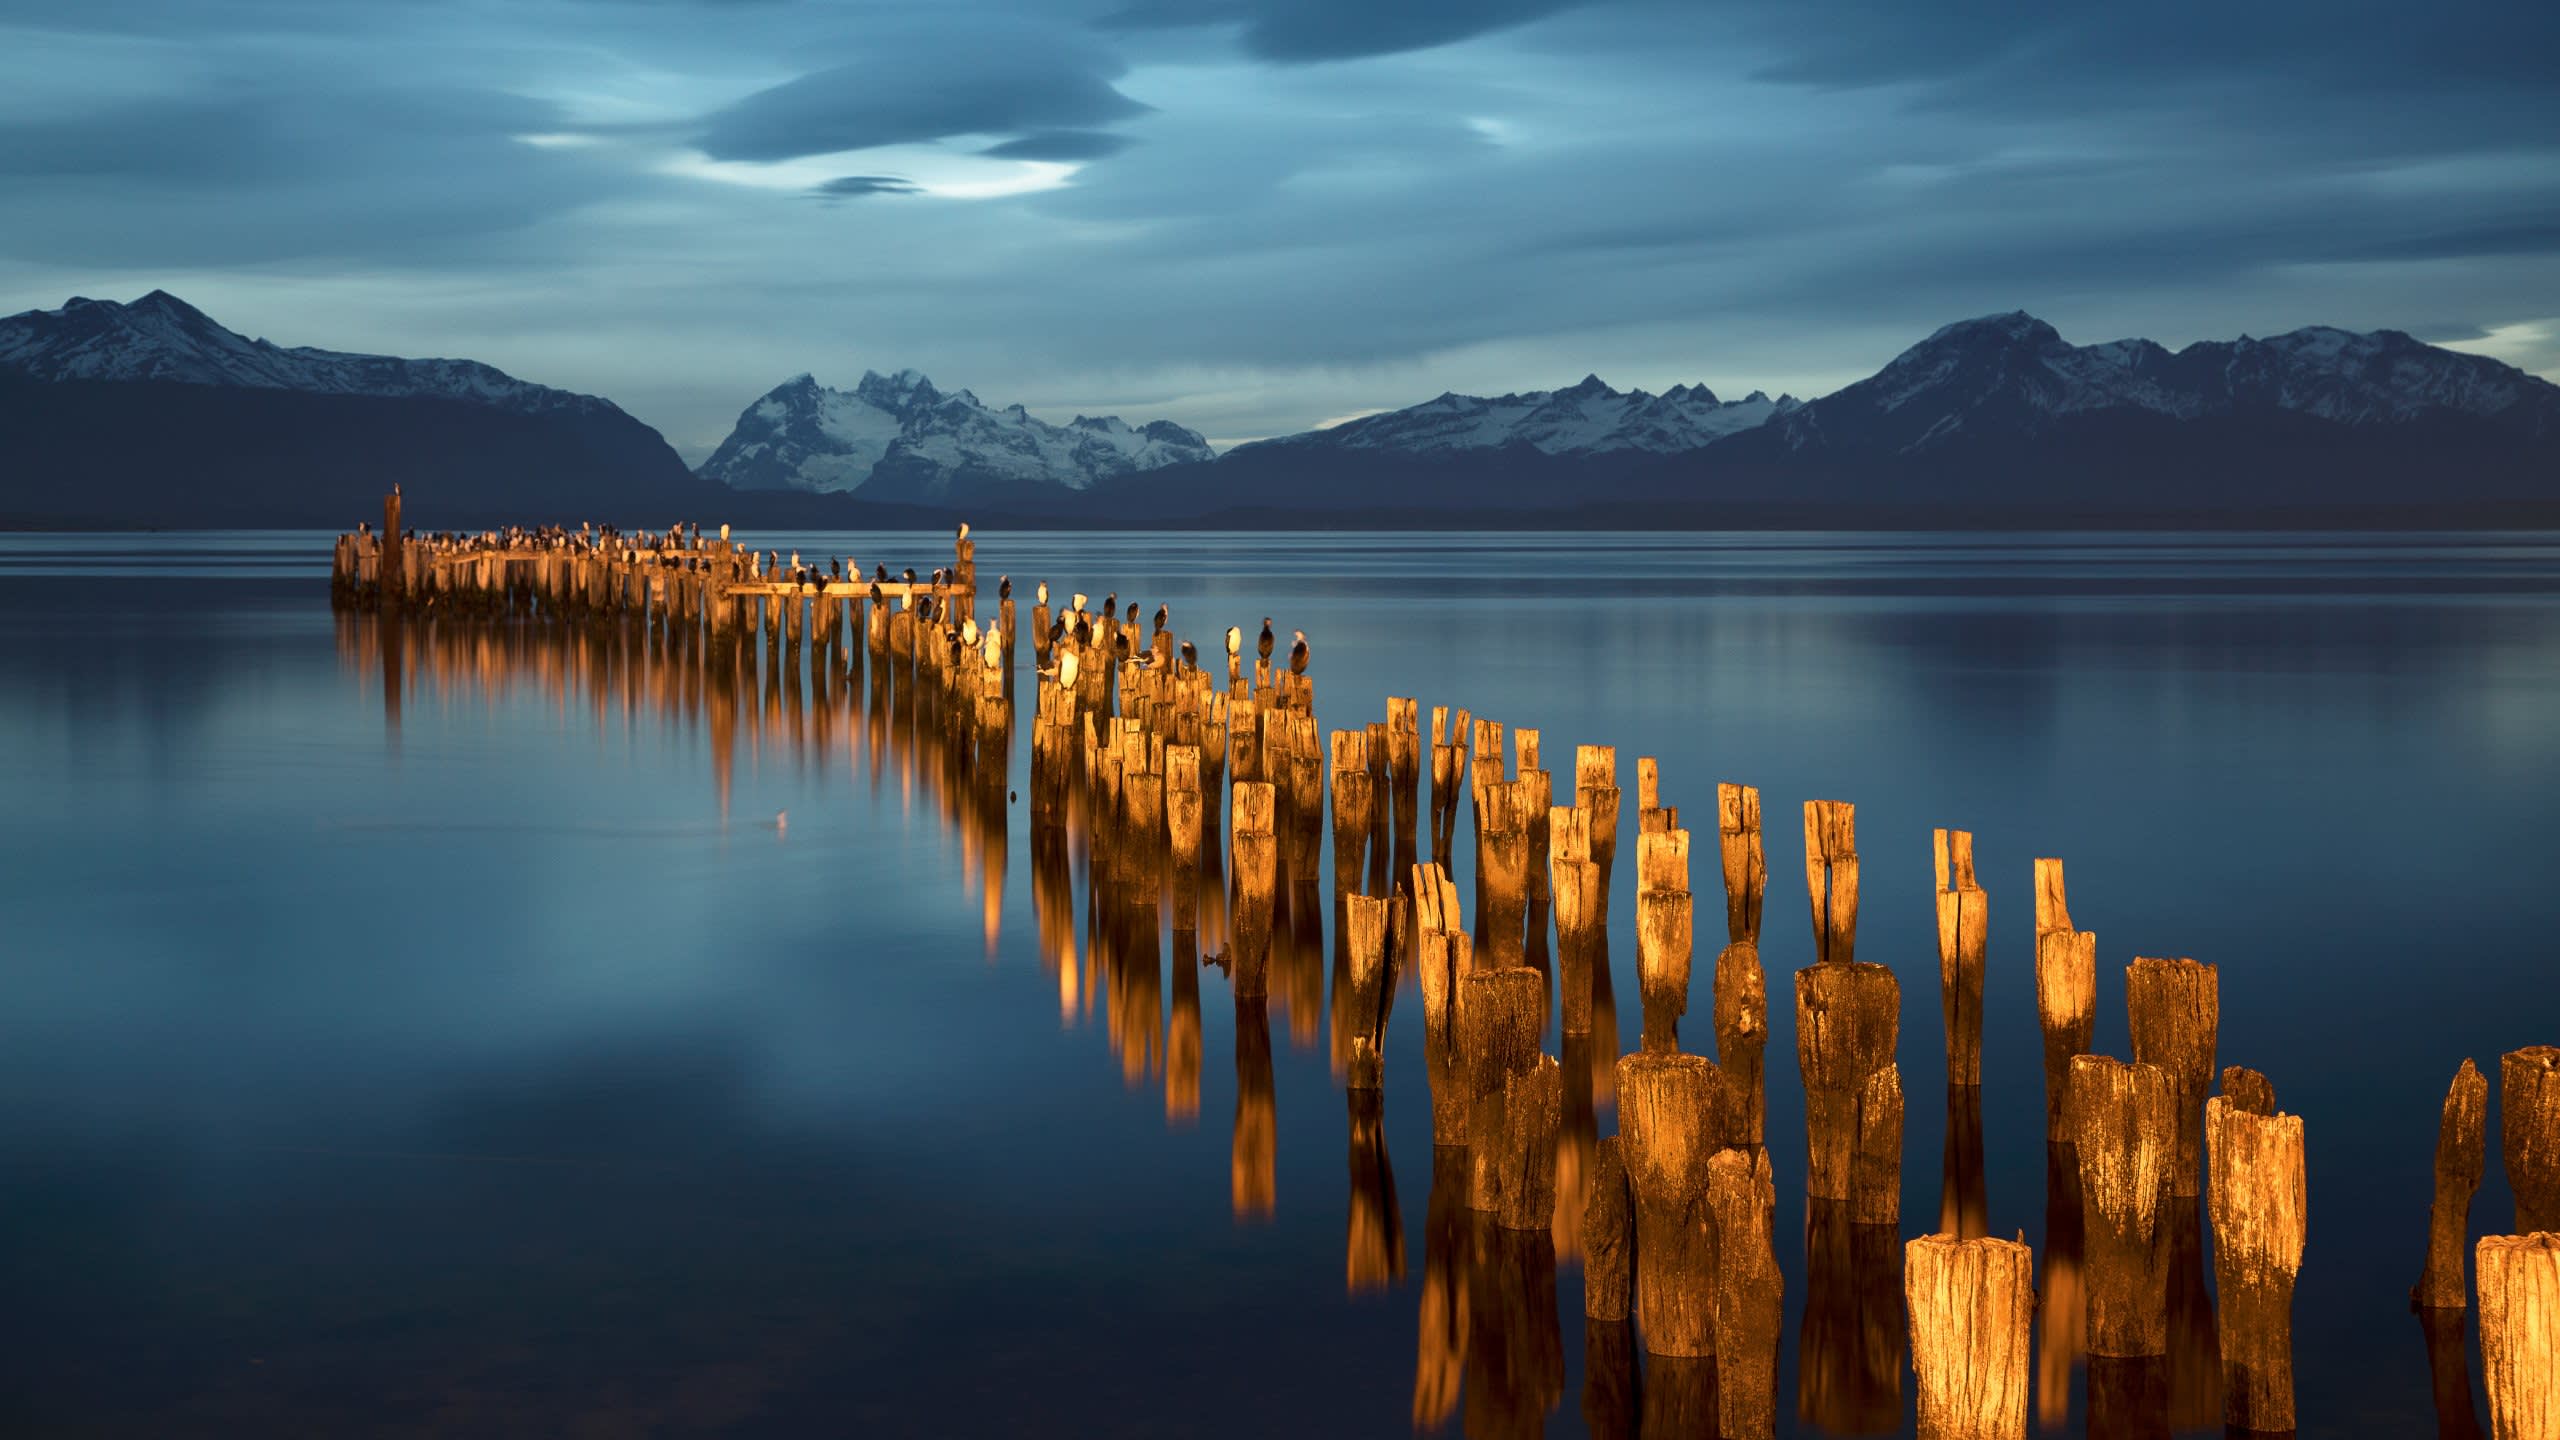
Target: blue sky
x=1254, y=216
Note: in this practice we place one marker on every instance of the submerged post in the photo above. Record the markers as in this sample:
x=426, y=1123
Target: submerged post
x=1970, y=1301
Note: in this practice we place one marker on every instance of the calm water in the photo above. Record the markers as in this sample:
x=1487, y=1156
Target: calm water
x=484, y=1059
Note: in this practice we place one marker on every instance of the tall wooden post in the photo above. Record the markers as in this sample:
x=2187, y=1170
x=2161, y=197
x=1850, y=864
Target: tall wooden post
x=2258, y=1196
x=2066, y=996
x=1742, y=1036
x=1963, y=935
x=2127, y=1142
x=1831, y=877
x=2175, y=1007
x=2529, y=1126
x=1750, y=1293
x=393, y=569
x=1746, y=868
x=1670, y=1126
x=2461, y=1153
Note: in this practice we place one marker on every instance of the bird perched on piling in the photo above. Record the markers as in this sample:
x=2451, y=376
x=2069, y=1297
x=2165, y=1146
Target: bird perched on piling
x=880, y=573
x=1235, y=642
x=1079, y=602
x=1190, y=656
x=1067, y=665
x=1004, y=587
x=1264, y=647
x=909, y=574
x=1041, y=595
x=1298, y=653
x=1164, y=620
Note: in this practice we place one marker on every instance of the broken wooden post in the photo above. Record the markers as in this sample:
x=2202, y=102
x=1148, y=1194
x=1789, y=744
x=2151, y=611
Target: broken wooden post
x=2127, y=1140
x=1969, y=1304
x=2461, y=1153
x=1502, y=859
x=2066, y=996
x=1963, y=933
x=1742, y=1036
x=392, y=570
x=1498, y=1024
x=2520, y=1333
x=1365, y=920
x=1746, y=869
x=1750, y=1293
x=1595, y=792
x=1445, y=956
x=1848, y=1017
x=1257, y=869
x=2258, y=1198
x=1831, y=877
x=1671, y=1112
x=2529, y=1131
x=1519, y=1124
x=1576, y=887
x=1664, y=931
x=2175, y=1008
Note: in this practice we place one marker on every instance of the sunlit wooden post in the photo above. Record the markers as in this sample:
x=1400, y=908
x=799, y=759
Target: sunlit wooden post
x=2462, y=1145
x=1576, y=887
x=1595, y=792
x=1742, y=1036
x=2175, y=1009
x=1970, y=1301
x=2258, y=1196
x=1257, y=867
x=1831, y=877
x=1498, y=1022
x=1963, y=936
x=1670, y=1124
x=2127, y=1140
x=2529, y=1130
x=1746, y=868
x=392, y=568
x=1848, y=1018
x=2520, y=1333
x=1365, y=918
x=1665, y=918
x=2066, y=996
x=1750, y=1292
x=1502, y=857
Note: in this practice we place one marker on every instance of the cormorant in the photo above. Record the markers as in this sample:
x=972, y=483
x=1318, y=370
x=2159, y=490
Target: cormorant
x=910, y=574
x=880, y=573
x=1164, y=617
x=1190, y=656
x=1298, y=653
x=1057, y=631
x=1263, y=648
x=1110, y=606
x=1004, y=587
x=1133, y=614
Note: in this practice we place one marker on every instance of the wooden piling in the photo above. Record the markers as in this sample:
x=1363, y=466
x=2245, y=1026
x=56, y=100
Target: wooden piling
x=1576, y=888
x=1969, y=1305
x=1256, y=868
x=1742, y=1036
x=2461, y=1155
x=1746, y=868
x=1595, y=792
x=1671, y=1111
x=1365, y=920
x=1963, y=935
x=1499, y=1013
x=1663, y=944
x=2520, y=1333
x=1750, y=1293
x=2066, y=996
x=1848, y=1017
x=2529, y=1133
x=2126, y=1137
x=2175, y=1008
x=2258, y=1196
x=1831, y=877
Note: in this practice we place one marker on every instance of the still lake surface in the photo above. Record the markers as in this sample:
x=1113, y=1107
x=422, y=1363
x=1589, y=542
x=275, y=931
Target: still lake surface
x=486, y=1060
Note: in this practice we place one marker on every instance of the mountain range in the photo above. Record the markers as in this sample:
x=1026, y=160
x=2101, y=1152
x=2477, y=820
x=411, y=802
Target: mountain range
x=896, y=437
x=152, y=413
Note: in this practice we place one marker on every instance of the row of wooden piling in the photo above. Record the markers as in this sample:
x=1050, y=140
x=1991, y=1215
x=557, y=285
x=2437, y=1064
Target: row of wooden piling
x=1674, y=1212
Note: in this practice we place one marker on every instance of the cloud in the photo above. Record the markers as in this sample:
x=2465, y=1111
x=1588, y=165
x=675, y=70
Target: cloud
x=930, y=86
x=1298, y=31
x=1061, y=145
x=855, y=185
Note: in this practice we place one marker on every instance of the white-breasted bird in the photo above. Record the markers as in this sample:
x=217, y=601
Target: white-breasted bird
x=1235, y=641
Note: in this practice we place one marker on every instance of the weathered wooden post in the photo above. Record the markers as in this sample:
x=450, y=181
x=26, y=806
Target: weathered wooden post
x=1746, y=868
x=2520, y=1333
x=1671, y=1112
x=1848, y=1018
x=393, y=585
x=1498, y=1013
x=1969, y=1303
x=1595, y=793
x=1750, y=1293
x=1576, y=887
x=1445, y=956
x=1831, y=877
x=2066, y=996
x=1665, y=916
x=2461, y=1154
x=2175, y=1007
x=1963, y=1208
x=2529, y=1130
x=1963, y=934
x=1742, y=1036
x=2258, y=1197
x=1365, y=918
x=2127, y=1140
x=1502, y=858
x=1257, y=872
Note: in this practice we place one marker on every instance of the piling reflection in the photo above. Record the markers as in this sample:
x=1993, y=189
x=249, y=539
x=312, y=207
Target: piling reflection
x=1440, y=1344
x=1515, y=1352
x=1850, y=1351
x=2195, y=1349
x=1962, y=1210
x=1612, y=1397
x=2062, y=1301
x=2449, y=1372
x=1373, y=1235
x=1254, y=1185
x=2128, y=1397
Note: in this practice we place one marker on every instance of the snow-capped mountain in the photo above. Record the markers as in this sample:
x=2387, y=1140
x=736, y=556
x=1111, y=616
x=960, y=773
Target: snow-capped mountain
x=2014, y=376
x=153, y=414
x=898, y=437
x=1585, y=419
x=161, y=337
